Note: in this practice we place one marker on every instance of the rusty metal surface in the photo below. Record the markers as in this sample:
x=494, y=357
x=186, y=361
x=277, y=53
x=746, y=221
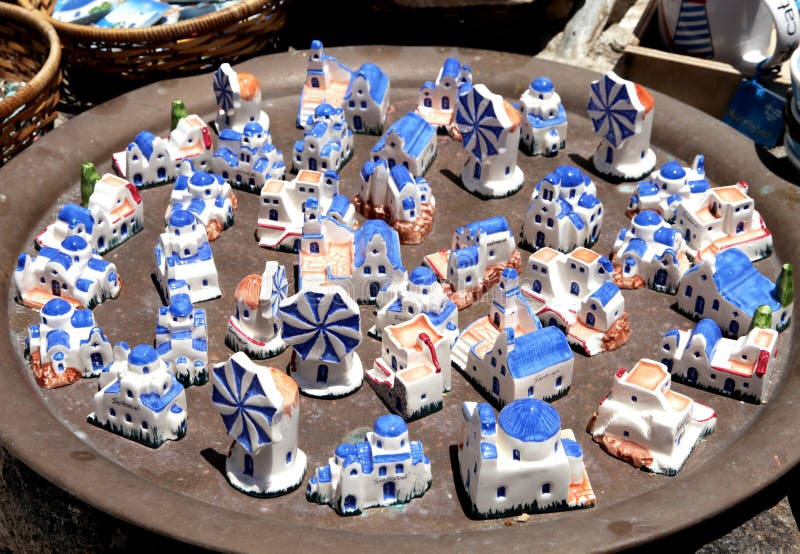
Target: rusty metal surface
x=180, y=490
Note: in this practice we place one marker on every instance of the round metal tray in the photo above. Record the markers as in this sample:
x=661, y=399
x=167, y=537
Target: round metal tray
x=180, y=490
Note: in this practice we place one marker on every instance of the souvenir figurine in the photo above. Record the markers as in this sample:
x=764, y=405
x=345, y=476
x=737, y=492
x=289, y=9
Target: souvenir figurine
x=327, y=249
x=724, y=217
x=367, y=100
x=413, y=370
x=421, y=294
x=377, y=264
x=740, y=369
x=395, y=196
x=383, y=470
x=520, y=461
x=327, y=142
x=66, y=345
x=576, y=292
x=183, y=253
x=622, y=114
x=479, y=253
x=564, y=212
x=410, y=141
x=140, y=398
x=642, y=421
x=206, y=195
x=255, y=326
x=260, y=407
x=238, y=97
x=281, y=216
x=507, y=354
x=650, y=253
x=323, y=326
x=668, y=187
x=70, y=271
x=730, y=290
x=437, y=100
x=544, y=119
x=248, y=159
x=182, y=337
x=327, y=80
x=490, y=130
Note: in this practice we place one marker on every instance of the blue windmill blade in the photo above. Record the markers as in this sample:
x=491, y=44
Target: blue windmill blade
x=479, y=123
x=612, y=108
x=226, y=88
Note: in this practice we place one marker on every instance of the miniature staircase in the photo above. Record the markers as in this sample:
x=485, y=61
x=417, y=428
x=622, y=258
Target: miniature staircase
x=460, y=353
x=692, y=32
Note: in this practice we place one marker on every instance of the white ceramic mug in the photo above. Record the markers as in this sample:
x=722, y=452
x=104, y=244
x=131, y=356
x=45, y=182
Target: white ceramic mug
x=751, y=35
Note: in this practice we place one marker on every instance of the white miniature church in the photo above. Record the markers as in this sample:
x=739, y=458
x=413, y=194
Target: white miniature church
x=248, y=159
x=207, y=196
x=670, y=186
x=182, y=337
x=366, y=100
x=327, y=142
x=410, y=141
x=544, y=119
x=437, y=100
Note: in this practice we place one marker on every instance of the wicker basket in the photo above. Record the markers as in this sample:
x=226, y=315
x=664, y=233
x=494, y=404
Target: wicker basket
x=29, y=51
x=101, y=63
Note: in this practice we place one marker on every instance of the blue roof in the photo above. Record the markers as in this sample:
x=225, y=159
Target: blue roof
x=74, y=215
x=530, y=419
x=230, y=134
x=181, y=182
x=588, y=200
x=324, y=110
x=180, y=305
x=144, y=140
x=488, y=451
x=636, y=245
x=75, y=243
x=156, y=402
x=488, y=421
x=377, y=80
x=253, y=128
x=565, y=208
x=665, y=235
x=647, y=218
x=606, y=263
x=98, y=264
x=316, y=45
x=142, y=354
x=451, y=67
x=56, y=256
x=442, y=316
x=57, y=337
x=56, y=307
x=82, y=319
x=576, y=220
x=417, y=453
x=324, y=474
x=345, y=449
x=415, y=132
x=466, y=257
x=181, y=218
x=197, y=205
x=422, y=275
x=402, y=176
x=606, y=292
x=698, y=186
x=318, y=130
x=709, y=329
x=572, y=448
x=740, y=283
x=312, y=203
x=542, y=84
x=390, y=425
x=364, y=235
x=201, y=179
x=571, y=176
x=408, y=203
x=673, y=333
x=672, y=170
x=496, y=224
x=339, y=205
x=647, y=188
x=391, y=458
x=84, y=285
x=537, y=351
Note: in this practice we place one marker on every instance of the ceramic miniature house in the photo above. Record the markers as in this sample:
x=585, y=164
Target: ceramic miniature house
x=377, y=263
x=238, y=97
x=413, y=369
x=575, y=292
x=622, y=115
x=729, y=289
x=150, y=160
x=739, y=368
x=643, y=421
x=182, y=338
x=384, y=469
x=281, y=215
x=140, y=400
x=668, y=187
x=323, y=326
x=520, y=461
x=327, y=81
x=564, y=211
x=479, y=253
x=207, y=196
x=71, y=271
x=725, y=217
x=113, y=215
x=650, y=253
x=366, y=100
x=490, y=129
x=544, y=119
x=397, y=197
x=260, y=407
x=248, y=159
x=327, y=249
x=508, y=355
x=437, y=100
x=66, y=345
x=184, y=254
x=421, y=294
x=410, y=141
x=255, y=326
x=327, y=142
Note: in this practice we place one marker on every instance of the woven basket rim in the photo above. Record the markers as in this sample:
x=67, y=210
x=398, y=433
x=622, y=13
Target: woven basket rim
x=50, y=68
x=158, y=33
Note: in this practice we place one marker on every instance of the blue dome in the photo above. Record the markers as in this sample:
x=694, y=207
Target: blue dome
x=142, y=354
x=312, y=203
x=252, y=128
x=648, y=218
x=181, y=218
x=345, y=449
x=542, y=84
x=74, y=243
x=390, y=425
x=324, y=110
x=55, y=307
x=672, y=170
x=316, y=44
x=570, y=175
x=201, y=179
x=422, y=276
x=530, y=420
x=180, y=306
x=510, y=273
x=331, y=174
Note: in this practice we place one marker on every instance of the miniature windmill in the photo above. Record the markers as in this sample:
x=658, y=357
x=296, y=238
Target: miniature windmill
x=323, y=324
x=238, y=98
x=490, y=128
x=226, y=92
x=260, y=407
x=622, y=114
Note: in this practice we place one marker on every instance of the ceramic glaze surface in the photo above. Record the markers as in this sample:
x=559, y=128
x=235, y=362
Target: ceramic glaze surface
x=182, y=337
x=669, y=187
x=544, y=119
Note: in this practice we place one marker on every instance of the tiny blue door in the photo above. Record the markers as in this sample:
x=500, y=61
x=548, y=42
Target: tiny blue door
x=539, y=239
x=661, y=278
x=389, y=491
x=495, y=386
x=691, y=375
x=322, y=373
x=349, y=503
x=590, y=319
x=730, y=386
x=374, y=288
x=357, y=123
